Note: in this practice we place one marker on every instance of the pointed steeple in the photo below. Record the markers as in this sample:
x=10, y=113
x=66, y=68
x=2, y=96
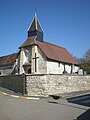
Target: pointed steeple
x=35, y=29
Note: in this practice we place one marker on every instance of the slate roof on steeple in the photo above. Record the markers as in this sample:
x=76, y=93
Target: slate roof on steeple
x=35, y=29
x=35, y=25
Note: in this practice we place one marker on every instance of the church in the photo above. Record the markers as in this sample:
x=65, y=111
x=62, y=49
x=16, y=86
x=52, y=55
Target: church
x=37, y=56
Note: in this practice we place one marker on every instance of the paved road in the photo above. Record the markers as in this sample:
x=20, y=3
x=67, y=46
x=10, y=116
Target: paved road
x=21, y=109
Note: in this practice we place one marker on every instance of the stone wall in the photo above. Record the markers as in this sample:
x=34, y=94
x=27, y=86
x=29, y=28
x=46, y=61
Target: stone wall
x=44, y=85
x=13, y=82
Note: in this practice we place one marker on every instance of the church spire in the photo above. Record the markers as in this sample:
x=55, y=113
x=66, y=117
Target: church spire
x=35, y=29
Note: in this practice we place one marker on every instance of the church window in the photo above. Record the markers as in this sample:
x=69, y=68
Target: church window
x=18, y=70
x=29, y=61
x=58, y=64
x=0, y=72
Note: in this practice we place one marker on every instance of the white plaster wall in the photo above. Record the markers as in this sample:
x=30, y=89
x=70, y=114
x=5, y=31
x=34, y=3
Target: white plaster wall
x=42, y=62
x=68, y=68
x=75, y=68
x=34, y=50
x=21, y=60
x=28, y=53
x=25, y=55
x=61, y=68
x=53, y=68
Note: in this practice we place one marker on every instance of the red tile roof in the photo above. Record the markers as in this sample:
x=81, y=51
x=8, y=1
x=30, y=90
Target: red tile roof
x=8, y=59
x=56, y=53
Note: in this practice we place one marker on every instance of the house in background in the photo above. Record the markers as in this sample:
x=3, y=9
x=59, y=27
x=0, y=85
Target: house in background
x=37, y=56
x=8, y=64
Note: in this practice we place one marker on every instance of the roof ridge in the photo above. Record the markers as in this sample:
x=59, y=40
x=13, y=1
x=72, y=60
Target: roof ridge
x=56, y=52
x=8, y=55
x=54, y=44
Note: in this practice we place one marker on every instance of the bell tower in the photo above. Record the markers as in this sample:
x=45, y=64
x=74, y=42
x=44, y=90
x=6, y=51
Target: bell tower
x=35, y=29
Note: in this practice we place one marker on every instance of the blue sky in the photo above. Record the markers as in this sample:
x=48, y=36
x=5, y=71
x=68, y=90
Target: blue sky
x=65, y=23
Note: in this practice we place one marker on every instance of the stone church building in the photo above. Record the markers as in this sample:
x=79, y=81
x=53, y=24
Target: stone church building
x=37, y=56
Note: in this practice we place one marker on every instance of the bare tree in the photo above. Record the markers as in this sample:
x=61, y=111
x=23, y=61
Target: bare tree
x=87, y=56
x=85, y=61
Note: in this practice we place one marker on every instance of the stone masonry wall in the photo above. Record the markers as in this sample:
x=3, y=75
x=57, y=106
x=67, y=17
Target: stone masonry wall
x=13, y=82
x=44, y=85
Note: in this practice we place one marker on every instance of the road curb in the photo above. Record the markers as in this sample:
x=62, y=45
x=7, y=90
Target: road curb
x=21, y=97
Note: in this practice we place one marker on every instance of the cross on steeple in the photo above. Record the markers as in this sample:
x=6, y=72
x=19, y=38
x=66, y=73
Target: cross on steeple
x=36, y=62
x=35, y=11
